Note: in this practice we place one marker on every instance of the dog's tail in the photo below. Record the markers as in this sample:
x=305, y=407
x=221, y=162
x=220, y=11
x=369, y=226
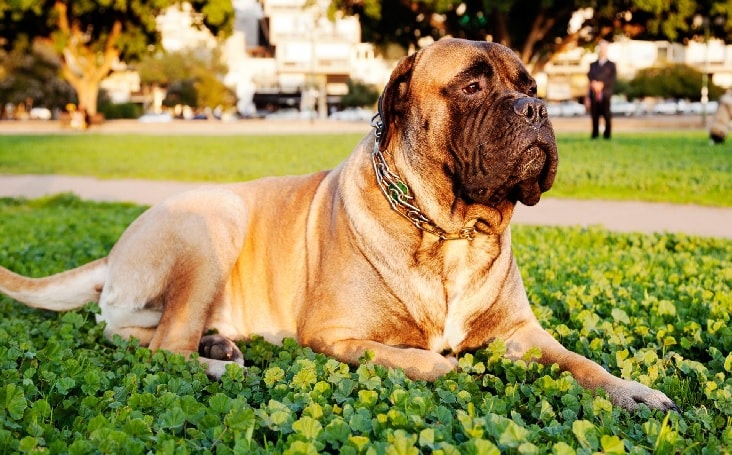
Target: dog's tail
x=61, y=292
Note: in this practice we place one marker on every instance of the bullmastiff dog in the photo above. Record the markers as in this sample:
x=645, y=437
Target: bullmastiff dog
x=403, y=250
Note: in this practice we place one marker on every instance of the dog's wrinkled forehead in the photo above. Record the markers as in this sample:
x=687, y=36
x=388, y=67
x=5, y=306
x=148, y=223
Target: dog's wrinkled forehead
x=424, y=77
x=446, y=59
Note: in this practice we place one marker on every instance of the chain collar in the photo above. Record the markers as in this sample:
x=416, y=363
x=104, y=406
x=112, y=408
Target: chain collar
x=398, y=194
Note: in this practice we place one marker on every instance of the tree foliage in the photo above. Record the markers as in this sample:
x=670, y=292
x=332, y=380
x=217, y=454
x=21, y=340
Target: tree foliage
x=30, y=75
x=359, y=94
x=89, y=36
x=539, y=29
x=192, y=77
x=212, y=93
x=661, y=19
x=671, y=81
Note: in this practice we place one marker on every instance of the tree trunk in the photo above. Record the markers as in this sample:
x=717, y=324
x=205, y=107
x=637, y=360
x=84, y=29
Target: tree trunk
x=501, y=28
x=86, y=86
x=86, y=81
x=82, y=66
x=87, y=92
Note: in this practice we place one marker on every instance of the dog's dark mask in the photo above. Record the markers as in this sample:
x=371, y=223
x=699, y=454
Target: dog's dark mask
x=500, y=144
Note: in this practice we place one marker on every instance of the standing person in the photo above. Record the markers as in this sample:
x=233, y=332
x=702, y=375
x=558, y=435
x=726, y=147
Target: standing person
x=602, y=77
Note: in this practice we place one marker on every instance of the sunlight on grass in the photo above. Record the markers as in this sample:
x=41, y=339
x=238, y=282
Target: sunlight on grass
x=677, y=167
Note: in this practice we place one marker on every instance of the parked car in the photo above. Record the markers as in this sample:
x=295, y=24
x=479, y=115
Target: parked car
x=572, y=109
x=553, y=109
x=626, y=108
x=40, y=113
x=290, y=114
x=565, y=109
x=698, y=108
x=665, y=107
x=355, y=114
x=153, y=117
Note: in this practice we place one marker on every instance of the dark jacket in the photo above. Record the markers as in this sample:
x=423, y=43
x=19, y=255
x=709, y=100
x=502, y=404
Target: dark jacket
x=605, y=73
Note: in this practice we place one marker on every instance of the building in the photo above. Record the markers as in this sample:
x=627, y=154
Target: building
x=288, y=55
x=296, y=57
x=565, y=77
x=285, y=54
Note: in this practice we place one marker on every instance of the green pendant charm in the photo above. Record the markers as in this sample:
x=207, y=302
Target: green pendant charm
x=398, y=191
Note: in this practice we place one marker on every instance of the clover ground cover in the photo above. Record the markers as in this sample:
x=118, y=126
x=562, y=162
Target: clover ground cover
x=655, y=308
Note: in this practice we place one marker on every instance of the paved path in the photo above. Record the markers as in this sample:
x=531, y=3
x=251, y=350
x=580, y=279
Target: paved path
x=613, y=215
x=261, y=126
x=616, y=216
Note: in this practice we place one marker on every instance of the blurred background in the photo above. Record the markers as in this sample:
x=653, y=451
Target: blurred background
x=87, y=61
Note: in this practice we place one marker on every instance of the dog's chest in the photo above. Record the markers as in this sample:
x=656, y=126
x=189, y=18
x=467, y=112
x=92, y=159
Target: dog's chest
x=465, y=269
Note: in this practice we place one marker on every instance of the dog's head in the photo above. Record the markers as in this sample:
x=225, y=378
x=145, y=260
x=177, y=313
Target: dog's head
x=468, y=111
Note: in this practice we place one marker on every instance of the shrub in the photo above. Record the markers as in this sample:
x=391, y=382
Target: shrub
x=671, y=81
x=121, y=110
x=359, y=94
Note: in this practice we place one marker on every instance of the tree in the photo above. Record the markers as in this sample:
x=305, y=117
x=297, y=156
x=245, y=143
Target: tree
x=89, y=36
x=192, y=77
x=664, y=20
x=30, y=75
x=537, y=29
x=212, y=93
x=673, y=81
x=359, y=94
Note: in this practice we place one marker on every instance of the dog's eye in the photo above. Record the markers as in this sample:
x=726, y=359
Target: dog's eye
x=472, y=88
x=532, y=91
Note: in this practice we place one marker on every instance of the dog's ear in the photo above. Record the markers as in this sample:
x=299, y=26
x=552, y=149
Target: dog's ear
x=393, y=102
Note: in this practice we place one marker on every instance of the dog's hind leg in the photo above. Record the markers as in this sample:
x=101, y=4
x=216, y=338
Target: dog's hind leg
x=185, y=308
x=171, y=267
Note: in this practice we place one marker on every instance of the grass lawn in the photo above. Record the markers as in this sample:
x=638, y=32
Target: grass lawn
x=678, y=167
x=186, y=158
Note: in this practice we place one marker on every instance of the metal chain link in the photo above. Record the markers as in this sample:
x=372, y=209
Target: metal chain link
x=399, y=197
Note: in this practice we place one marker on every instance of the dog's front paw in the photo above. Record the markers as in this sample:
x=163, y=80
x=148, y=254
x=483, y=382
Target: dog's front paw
x=431, y=368
x=217, y=347
x=629, y=394
x=216, y=353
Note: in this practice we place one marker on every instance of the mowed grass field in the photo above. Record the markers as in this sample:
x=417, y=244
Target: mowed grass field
x=652, y=308
x=673, y=166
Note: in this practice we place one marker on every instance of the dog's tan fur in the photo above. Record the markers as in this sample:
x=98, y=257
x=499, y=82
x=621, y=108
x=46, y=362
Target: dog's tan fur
x=324, y=259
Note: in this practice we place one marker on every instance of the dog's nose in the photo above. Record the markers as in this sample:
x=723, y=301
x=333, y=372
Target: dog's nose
x=532, y=109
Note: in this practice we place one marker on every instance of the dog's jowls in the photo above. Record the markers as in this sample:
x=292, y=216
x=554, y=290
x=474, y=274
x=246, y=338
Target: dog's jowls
x=403, y=250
